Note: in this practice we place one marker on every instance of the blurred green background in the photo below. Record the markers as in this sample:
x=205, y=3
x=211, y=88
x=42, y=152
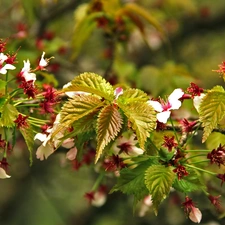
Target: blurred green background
x=52, y=192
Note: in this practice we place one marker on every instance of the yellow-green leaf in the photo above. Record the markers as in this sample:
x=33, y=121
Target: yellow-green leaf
x=78, y=107
x=133, y=95
x=109, y=125
x=142, y=117
x=158, y=180
x=212, y=110
x=92, y=83
x=9, y=114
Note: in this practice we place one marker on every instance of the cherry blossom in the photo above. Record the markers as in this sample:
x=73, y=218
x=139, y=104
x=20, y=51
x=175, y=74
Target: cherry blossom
x=26, y=72
x=49, y=143
x=4, y=68
x=71, y=94
x=164, y=108
x=197, y=101
x=127, y=146
x=3, y=174
x=71, y=154
x=43, y=62
x=117, y=92
x=192, y=212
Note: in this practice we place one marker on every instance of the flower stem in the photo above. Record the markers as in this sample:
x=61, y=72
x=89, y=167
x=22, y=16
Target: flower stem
x=202, y=170
x=98, y=181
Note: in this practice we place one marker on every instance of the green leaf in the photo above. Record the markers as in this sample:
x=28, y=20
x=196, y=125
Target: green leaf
x=212, y=110
x=109, y=125
x=158, y=180
x=189, y=183
x=132, y=95
x=28, y=136
x=132, y=181
x=142, y=117
x=9, y=114
x=92, y=83
x=78, y=107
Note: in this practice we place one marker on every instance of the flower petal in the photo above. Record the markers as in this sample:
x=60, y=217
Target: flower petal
x=43, y=152
x=176, y=94
x=197, y=101
x=3, y=174
x=156, y=105
x=163, y=116
x=71, y=154
x=195, y=215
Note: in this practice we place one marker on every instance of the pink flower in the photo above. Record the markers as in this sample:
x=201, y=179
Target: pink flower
x=165, y=108
x=71, y=154
x=192, y=212
x=117, y=92
x=71, y=94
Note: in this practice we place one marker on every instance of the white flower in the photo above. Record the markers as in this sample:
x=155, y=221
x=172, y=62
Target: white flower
x=3, y=174
x=127, y=145
x=25, y=72
x=197, y=101
x=99, y=199
x=3, y=69
x=71, y=94
x=164, y=109
x=49, y=143
x=43, y=62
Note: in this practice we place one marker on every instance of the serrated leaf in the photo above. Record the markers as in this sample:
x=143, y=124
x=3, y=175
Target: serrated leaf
x=189, y=183
x=132, y=181
x=92, y=83
x=109, y=124
x=133, y=95
x=28, y=136
x=158, y=180
x=212, y=110
x=78, y=107
x=9, y=114
x=142, y=117
x=3, y=100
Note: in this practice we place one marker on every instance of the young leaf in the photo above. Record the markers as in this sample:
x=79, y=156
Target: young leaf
x=132, y=181
x=132, y=95
x=142, y=117
x=92, y=83
x=158, y=180
x=212, y=110
x=9, y=114
x=189, y=183
x=28, y=136
x=109, y=124
x=78, y=107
